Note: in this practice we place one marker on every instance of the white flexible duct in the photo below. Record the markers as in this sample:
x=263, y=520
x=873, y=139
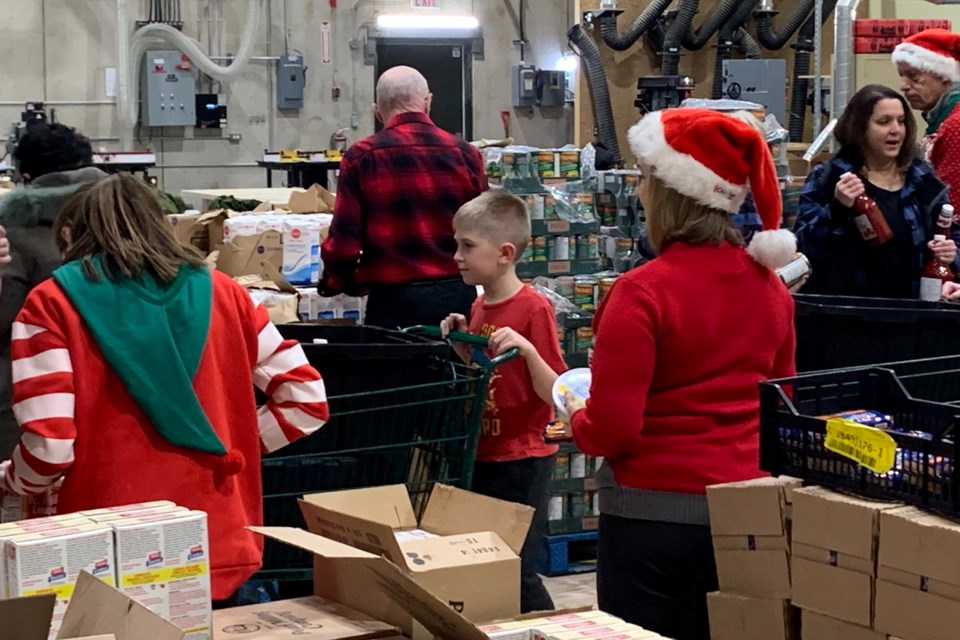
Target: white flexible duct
x=157, y=35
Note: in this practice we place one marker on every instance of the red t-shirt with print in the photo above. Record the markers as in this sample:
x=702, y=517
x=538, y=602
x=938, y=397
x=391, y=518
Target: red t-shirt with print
x=514, y=417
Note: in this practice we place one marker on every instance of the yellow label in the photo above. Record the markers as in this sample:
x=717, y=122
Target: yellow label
x=867, y=446
x=163, y=575
x=63, y=592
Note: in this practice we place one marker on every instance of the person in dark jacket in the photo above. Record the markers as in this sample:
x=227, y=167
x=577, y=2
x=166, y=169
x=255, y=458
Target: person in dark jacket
x=877, y=157
x=54, y=160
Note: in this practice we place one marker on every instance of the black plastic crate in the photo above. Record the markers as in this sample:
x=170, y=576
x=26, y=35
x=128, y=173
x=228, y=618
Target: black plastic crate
x=792, y=435
x=936, y=379
x=836, y=332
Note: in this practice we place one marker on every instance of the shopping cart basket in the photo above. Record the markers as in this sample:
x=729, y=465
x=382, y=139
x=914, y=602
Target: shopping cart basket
x=415, y=434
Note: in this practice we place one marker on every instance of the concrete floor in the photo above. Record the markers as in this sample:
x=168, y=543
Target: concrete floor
x=576, y=590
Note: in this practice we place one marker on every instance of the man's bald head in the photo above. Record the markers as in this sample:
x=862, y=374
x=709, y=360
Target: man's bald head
x=401, y=90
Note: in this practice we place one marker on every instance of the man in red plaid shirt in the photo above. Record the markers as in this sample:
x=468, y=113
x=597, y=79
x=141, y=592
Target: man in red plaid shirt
x=392, y=232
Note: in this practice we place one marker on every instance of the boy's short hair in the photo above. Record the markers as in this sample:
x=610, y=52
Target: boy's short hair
x=498, y=216
x=49, y=148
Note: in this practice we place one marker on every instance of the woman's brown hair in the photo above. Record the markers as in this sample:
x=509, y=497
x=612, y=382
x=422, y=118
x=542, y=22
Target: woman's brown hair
x=851, y=130
x=120, y=218
x=674, y=217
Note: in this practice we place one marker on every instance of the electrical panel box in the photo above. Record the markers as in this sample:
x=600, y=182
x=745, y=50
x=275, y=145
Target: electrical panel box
x=760, y=81
x=551, y=88
x=290, y=82
x=211, y=111
x=524, y=85
x=168, y=90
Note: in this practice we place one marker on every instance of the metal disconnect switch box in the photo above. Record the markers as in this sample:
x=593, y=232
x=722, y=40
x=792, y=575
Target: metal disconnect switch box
x=760, y=81
x=290, y=82
x=169, y=93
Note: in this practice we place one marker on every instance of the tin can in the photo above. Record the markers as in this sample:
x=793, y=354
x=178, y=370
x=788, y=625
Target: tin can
x=527, y=254
x=579, y=505
x=564, y=286
x=587, y=247
x=584, y=203
x=624, y=248
x=578, y=465
x=561, y=467
x=559, y=248
x=547, y=163
x=534, y=206
x=550, y=207
x=795, y=271
x=569, y=163
x=583, y=339
x=539, y=248
x=607, y=209
x=557, y=509
x=572, y=241
x=603, y=287
x=596, y=503
x=584, y=292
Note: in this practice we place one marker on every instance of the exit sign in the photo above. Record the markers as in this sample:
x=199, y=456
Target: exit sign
x=425, y=4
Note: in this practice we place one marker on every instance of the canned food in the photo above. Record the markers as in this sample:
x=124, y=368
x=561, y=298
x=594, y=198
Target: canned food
x=569, y=161
x=584, y=204
x=596, y=503
x=539, y=248
x=561, y=467
x=559, y=248
x=603, y=288
x=527, y=254
x=557, y=509
x=579, y=505
x=546, y=163
x=587, y=247
x=795, y=271
x=550, y=207
x=578, y=465
x=572, y=241
x=607, y=209
x=624, y=248
x=583, y=340
x=564, y=286
x=584, y=292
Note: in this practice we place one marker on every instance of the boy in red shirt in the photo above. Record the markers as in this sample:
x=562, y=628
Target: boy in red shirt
x=513, y=461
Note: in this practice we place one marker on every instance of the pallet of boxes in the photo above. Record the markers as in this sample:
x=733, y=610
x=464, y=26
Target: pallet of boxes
x=859, y=569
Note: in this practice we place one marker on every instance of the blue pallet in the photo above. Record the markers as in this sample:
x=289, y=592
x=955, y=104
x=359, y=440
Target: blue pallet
x=555, y=557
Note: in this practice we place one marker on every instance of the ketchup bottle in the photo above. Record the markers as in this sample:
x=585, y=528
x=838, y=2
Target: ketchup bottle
x=870, y=221
x=935, y=273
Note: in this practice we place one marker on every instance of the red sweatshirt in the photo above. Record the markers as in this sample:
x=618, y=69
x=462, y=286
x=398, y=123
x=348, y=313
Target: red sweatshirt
x=681, y=343
x=79, y=421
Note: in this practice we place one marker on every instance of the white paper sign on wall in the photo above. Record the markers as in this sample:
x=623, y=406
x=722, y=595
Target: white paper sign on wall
x=425, y=4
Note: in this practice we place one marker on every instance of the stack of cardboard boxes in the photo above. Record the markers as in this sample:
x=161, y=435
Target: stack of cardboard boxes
x=839, y=566
x=750, y=523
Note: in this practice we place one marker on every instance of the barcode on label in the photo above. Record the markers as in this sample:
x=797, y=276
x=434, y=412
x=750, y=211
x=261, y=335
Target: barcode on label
x=856, y=454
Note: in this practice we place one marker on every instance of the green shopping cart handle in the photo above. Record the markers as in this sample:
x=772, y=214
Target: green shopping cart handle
x=466, y=338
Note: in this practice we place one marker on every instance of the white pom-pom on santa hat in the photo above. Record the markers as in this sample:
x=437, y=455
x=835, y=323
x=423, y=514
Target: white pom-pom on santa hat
x=935, y=51
x=716, y=159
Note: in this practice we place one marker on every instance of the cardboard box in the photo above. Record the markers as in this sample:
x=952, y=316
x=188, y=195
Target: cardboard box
x=163, y=563
x=738, y=617
x=918, y=587
x=818, y=627
x=50, y=562
x=477, y=546
x=834, y=553
x=750, y=525
x=128, y=508
x=96, y=612
x=312, y=618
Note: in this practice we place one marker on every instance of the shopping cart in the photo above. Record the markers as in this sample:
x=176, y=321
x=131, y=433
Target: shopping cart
x=416, y=434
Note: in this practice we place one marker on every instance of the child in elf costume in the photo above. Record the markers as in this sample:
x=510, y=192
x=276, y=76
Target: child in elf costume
x=134, y=370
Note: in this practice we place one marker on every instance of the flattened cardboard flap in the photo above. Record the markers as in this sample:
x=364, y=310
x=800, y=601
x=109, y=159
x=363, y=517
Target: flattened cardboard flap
x=452, y=511
x=27, y=618
x=368, y=535
x=389, y=505
x=426, y=608
x=316, y=199
x=314, y=618
x=96, y=608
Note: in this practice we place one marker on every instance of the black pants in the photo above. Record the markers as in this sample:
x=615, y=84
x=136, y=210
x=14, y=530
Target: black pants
x=656, y=575
x=427, y=303
x=526, y=482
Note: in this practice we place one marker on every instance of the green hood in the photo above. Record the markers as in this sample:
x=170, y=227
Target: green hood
x=39, y=203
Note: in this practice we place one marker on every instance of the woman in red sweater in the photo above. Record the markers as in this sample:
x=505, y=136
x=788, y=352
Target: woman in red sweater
x=133, y=378
x=681, y=343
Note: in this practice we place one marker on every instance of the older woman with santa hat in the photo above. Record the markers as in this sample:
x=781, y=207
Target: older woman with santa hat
x=681, y=343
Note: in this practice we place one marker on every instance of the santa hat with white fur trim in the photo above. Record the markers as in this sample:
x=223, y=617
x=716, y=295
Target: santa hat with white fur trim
x=716, y=159
x=933, y=50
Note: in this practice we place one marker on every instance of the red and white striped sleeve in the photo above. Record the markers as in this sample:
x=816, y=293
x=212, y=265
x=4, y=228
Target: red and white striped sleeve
x=298, y=401
x=43, y=402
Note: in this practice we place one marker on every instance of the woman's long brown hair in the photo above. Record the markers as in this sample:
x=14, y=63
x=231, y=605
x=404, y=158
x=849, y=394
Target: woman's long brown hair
x=120, y=218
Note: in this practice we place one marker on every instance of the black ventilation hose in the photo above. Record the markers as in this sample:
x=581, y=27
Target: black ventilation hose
x=656, y=36
x=694, y=41
x=801, y=67
x=725, y=43
x=623, y=41
x=584, y=45
x=746, y=44
x=775, y=39
x=674, y=38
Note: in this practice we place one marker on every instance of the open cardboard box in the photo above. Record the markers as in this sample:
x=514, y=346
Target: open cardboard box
x=316, y=199
x=424, y=586
x=97, y=611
